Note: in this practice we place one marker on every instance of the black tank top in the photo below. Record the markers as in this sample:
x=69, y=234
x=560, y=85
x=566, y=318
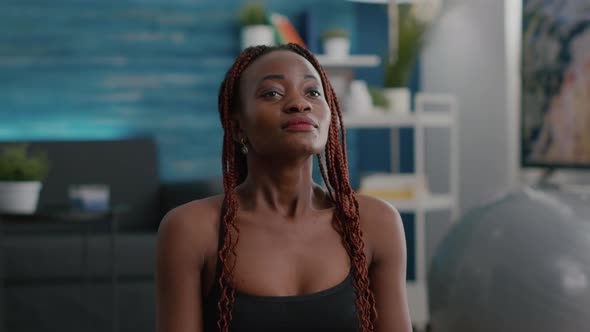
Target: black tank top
x=332, y=309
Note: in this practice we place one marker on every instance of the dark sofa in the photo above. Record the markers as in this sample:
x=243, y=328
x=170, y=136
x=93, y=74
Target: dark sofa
x=57, y=277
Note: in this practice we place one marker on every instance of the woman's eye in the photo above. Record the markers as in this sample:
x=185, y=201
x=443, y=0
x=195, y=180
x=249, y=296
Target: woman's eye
x=314, y=93
x=271, y=94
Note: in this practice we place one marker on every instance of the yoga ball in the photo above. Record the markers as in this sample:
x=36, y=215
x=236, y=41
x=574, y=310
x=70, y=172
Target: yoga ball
x=518, y=263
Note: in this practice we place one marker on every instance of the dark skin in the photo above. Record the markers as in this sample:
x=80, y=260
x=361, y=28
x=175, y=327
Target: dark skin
x=287, y=243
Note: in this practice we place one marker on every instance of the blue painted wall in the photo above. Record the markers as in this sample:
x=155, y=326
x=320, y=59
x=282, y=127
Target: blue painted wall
x=100, y=69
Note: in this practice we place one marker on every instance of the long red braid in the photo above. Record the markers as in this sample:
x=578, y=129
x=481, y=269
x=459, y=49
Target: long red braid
x=334, y=173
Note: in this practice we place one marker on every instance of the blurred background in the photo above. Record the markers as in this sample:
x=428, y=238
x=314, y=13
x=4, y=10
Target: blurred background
x=108, y=119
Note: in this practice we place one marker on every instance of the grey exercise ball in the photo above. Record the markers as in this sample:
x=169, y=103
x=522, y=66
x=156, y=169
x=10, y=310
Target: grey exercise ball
x=519, y=263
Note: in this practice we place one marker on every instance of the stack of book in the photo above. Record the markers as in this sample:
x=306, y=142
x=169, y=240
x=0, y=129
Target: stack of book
x=394, y=186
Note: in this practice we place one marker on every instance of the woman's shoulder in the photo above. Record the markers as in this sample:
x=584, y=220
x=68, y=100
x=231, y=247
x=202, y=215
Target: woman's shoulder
x=381, y=223
x=194, y=222
x=376, y=211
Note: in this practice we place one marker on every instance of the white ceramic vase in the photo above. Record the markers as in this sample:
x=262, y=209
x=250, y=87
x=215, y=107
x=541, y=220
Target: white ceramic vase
x=358, y=100
x=253, y=35
x=338, y=47
x=19, y=197
x=399, y=99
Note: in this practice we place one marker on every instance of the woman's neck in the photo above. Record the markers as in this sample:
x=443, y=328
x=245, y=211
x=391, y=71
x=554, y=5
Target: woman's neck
x=286, y=188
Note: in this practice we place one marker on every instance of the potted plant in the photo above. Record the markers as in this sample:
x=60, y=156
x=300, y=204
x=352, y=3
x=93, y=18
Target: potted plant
x=413, y=23
x=21, y=173
x=256, y=29
x=336, y=42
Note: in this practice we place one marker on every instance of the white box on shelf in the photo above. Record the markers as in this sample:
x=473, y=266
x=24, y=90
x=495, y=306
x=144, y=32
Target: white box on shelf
x=351, y=61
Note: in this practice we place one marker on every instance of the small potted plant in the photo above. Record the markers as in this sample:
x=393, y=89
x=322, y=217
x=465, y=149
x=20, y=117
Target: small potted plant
x=413, y=24
x=256, y=29
x=21, y=174
x=336, y=42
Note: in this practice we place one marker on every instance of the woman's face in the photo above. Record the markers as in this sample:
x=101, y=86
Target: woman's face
x=282, y=107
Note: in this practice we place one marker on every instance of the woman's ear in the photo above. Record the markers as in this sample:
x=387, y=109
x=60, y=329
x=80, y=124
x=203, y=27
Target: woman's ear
x=236, y=127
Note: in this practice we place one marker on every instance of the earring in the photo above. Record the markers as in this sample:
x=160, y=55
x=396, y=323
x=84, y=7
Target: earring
x=244, y=147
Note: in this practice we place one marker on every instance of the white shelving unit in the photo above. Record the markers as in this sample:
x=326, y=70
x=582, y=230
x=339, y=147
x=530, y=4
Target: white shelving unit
x=421, y=120
x=340, y=73
x=341, y=70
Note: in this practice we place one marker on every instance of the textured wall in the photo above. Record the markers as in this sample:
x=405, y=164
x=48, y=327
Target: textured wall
x=103, y=69
x=99, y=69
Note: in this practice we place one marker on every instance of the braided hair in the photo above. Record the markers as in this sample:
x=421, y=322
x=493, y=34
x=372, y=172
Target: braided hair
x=334, y=173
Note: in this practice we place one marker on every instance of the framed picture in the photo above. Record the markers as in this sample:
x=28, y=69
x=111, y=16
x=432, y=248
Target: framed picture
x=555, y=112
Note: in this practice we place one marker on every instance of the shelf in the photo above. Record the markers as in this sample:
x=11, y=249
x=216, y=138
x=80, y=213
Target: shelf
x=351, y=61
x=428, y=203
x=385, y=120
x=417, y=302
x=381, y=2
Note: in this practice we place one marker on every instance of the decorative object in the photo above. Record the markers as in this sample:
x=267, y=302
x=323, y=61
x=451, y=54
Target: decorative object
x=412, y=22
x=256, y=30
x=21, y=174
x=285, y=31
x=89, y=197
x=358, y=99
x=398, y=99
x=336, y=42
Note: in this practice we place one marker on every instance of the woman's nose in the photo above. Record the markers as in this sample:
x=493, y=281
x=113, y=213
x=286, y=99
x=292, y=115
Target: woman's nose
x=297, y=104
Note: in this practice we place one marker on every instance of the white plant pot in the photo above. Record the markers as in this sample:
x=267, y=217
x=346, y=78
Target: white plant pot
x=19, y=197
x=399, y=100
x=337, y=47
x=254, y=35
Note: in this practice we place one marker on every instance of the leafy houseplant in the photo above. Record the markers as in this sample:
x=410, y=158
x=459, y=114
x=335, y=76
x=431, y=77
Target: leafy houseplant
x=411, y=36
x=412, y=29
x=334, y=33
x=21, y=174
x=253, y=14
x=16, y=164
x=256, y=28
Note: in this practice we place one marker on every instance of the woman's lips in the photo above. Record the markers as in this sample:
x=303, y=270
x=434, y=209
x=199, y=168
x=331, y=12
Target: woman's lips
x=300, y=124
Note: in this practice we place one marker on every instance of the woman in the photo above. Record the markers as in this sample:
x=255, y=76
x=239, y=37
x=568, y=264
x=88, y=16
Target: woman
x=276, y=252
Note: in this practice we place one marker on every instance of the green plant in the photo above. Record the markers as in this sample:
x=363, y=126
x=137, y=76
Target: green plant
x=411, y=37
x=17, y=164
x=334, y=33
x=378, y=98
x=253, y=13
